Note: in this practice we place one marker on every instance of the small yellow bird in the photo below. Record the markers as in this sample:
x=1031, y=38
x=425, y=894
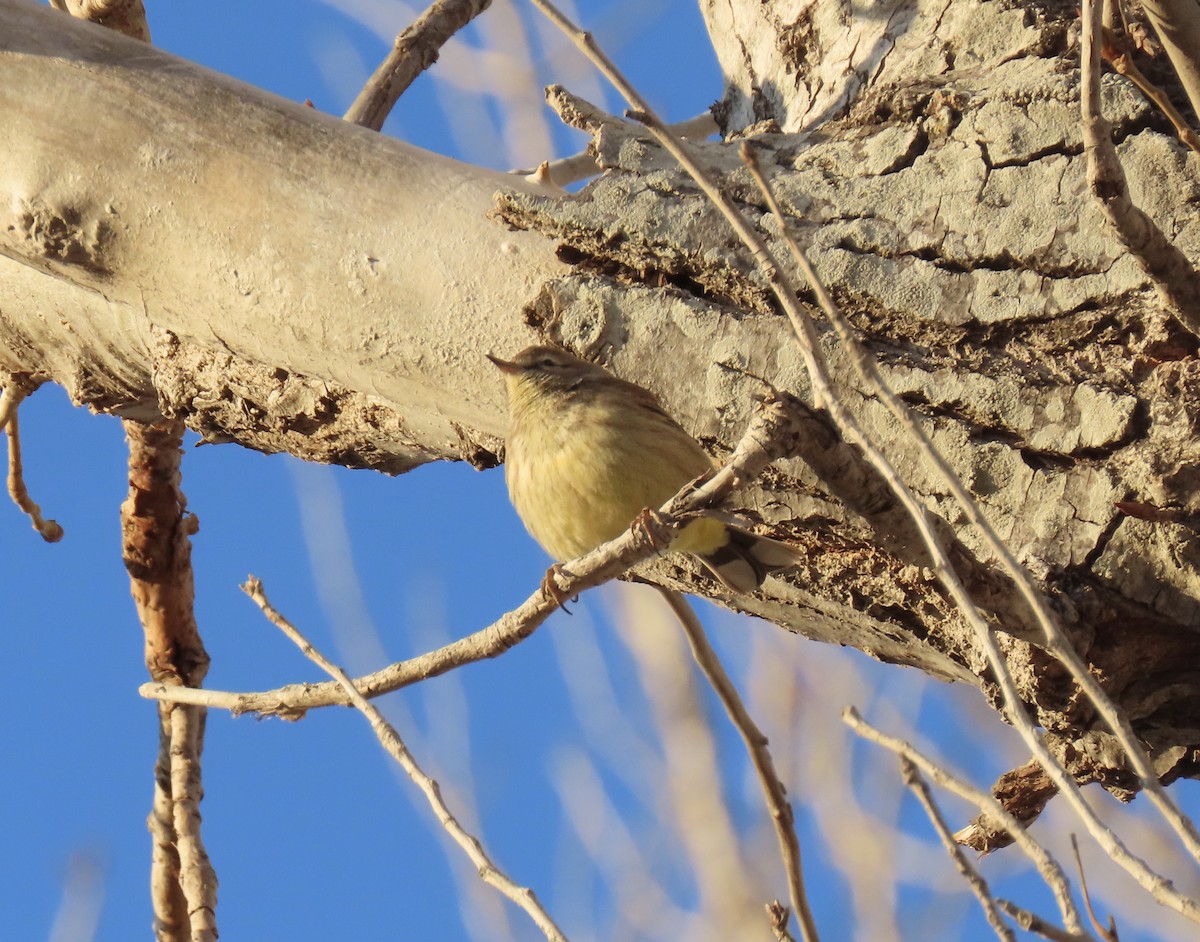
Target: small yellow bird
x=587, y=452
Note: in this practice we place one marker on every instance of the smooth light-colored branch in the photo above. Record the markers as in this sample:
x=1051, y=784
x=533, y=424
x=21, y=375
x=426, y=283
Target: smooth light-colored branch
x=1169, y=269
x=414, y=51
x=50, y=530
x=391, y=741
x=782, y=816
x=919, y=787
x=770, y=435
x=1046, y=865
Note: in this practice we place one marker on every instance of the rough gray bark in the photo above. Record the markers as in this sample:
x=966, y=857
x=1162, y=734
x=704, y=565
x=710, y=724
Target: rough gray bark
x=936, y=175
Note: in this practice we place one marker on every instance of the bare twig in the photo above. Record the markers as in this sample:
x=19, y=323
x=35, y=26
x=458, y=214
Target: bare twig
x=775, y=794
x=1115, y=52
x=50, y=530
x=391, y=741
x=769, y=436
x=779, y=915
x=166, y=894
x=414, y=51
x=1032, y=922
x=1170, y=270
x=1047, y=866
x=197, y=878
x=916, y=782
x=1108, y=934
x=17, y=388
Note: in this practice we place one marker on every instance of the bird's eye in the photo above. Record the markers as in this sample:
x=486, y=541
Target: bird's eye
x=547, y=361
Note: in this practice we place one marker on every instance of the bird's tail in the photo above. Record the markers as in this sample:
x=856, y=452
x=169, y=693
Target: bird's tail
x=746, y=560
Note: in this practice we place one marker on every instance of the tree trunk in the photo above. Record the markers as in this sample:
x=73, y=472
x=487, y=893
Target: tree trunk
x=284, y=280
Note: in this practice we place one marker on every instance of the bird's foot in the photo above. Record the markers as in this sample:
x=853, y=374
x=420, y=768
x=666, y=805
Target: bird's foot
x=648, y=525
x=551, y=589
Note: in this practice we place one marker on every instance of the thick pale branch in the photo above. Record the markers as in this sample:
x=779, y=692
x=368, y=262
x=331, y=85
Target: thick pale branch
x=141, y=265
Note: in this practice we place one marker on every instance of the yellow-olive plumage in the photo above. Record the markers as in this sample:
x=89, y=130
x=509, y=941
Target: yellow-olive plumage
x=587, y=452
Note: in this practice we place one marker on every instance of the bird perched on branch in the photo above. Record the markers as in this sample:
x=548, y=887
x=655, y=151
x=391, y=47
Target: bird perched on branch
x=588, y=452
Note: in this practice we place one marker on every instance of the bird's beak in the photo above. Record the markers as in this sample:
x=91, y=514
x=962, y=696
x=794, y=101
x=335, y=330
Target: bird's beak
x=504, y=366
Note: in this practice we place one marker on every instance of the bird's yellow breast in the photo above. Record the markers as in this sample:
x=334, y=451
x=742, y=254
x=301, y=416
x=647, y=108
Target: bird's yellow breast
x=579, y=471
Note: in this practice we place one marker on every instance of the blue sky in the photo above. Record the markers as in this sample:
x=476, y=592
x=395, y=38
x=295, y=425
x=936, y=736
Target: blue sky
x=312, y=832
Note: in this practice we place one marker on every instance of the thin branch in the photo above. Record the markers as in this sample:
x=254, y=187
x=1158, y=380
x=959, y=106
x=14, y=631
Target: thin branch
x=1159, y=887
x=775, y=794
x=197, y=878
x=778, y=914
x=414, y=51
x=1170, y=270
x=770, y=435
x=1046, y=865
x=391, y=741
x=1107, y=934
x=50, y=530
x=1116, y=52
x=916, y=782
x=170, y=906
x=1032, y=922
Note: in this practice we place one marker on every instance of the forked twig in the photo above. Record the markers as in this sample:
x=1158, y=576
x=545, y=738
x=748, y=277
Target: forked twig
x=1046, y=865
x=775, y=794
x=391, y=741
x=919, y=787
x=1114, y=51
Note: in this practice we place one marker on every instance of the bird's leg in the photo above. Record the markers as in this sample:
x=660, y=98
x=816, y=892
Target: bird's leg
x=551, y=590
x=648, y=525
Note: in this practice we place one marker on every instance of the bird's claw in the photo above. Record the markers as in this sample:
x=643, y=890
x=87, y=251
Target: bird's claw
x=648, y=525
x=551, y=589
